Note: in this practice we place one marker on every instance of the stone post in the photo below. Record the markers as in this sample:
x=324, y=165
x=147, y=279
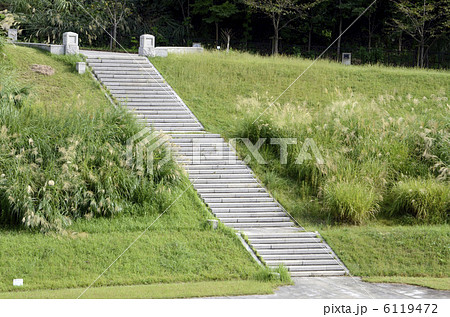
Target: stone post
x=12, y=34
x=147, y=45
x=347, y=58
x=70, y=42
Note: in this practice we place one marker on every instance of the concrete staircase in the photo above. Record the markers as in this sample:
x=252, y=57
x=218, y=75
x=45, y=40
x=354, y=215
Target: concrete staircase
x=226, y=184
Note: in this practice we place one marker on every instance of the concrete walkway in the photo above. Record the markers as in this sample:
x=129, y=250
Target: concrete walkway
x=344, y=287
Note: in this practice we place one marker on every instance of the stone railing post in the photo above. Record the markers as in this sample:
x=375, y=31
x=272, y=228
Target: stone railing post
x=70, y=42
x=12, y=34
x=147, y=45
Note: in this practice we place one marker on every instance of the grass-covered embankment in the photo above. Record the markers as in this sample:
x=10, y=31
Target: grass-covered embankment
x=383, y=134
x=70, y=205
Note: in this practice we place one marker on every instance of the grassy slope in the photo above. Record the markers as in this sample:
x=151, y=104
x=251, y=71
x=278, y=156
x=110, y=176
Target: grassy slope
x=216, y=83
x=178, y=248
x=156, y=291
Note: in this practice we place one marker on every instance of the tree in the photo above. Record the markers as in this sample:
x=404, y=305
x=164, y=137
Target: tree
x=215, y=13
x=116, y=11
x=281, y=12
x=424, y=21
x=47, y=20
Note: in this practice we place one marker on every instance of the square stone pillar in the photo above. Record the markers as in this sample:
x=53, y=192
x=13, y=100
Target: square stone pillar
x=347, y=58
x=70, y=42
x=81, y=67
x=12, y=34
x=147, y=45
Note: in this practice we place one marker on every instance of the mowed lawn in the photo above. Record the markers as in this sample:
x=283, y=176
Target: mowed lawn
x=374, y=125
x=179, y=247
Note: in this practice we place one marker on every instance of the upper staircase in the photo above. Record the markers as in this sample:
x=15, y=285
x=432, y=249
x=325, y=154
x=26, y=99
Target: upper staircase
x=225, y=183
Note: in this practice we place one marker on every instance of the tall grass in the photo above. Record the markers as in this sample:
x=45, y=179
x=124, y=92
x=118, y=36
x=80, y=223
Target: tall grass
x=425, y=199
x=66, y=161
x=372, y=125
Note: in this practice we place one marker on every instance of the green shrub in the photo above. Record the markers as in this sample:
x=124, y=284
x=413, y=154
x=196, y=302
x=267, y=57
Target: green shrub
x=59, y=163
x=350, y=202
x=428, y=200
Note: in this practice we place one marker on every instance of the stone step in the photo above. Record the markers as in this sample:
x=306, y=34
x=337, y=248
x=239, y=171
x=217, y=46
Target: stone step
x=165, y=112
x=245, y=209
x=119, y=81
x=242, y=186
x=252, y=220
x=159, y=118
x=154, y=90
x=268, y=204
x=249, y=214
x=208, y=162
x=219, y=168
x=296, y=257
x=265, y=246
x=204, y=189
x=138, y=83
x=283, y=240
x=298, y=263
x=235, y=200
x=151, y=109
x=294, y=252
x=229, y=171
x=244, y=226
x=221, y=176
x=158, y=95
x=224, y=181
x=150, y=103
x=176, y=129
x=118, y=59
x=257, y=195
x=153, y=100
x=310, y=268
x=196, y=136
x=317, y=273
x=143, y=76
x=270, y=235
x=188, y=123
x=114, y=66
x=138, y=71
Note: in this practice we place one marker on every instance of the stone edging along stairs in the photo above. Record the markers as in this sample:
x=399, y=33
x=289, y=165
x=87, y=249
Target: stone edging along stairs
x=225, y=183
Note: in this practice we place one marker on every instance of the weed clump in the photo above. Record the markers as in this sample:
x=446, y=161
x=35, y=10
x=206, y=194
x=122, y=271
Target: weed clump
x=427, y=200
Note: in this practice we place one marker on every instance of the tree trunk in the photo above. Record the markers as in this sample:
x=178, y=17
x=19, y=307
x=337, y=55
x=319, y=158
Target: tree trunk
x=338, y=58
x=114, y=36
x=111, y=40
x=422, y=50
x=276, y=37
x=339, y=40
x=309, y=37
x=400, y=42
x=370, y=35
x=217, y=34
x=275, y=42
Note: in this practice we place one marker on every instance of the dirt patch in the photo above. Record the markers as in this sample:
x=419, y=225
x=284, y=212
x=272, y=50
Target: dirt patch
x=43, y=69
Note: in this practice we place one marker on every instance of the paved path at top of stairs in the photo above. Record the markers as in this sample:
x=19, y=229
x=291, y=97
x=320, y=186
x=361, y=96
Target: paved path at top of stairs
x=226, y=184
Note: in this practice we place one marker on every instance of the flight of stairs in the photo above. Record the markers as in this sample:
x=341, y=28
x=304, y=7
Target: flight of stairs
x=226, y=184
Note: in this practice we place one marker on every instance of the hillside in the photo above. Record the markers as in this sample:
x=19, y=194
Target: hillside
x=69, y=207
x=380, y=196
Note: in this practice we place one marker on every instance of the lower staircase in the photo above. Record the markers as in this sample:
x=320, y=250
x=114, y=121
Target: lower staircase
x=225, y=183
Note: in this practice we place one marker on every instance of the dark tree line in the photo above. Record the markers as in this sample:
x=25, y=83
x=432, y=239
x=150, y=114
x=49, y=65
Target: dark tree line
x=302, y=27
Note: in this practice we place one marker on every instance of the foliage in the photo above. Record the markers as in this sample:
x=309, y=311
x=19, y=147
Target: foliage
x=373, y=126
x=427, y=200
x=47, y=20
x=350, y=202
x=424, y=21
x=80, y=171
